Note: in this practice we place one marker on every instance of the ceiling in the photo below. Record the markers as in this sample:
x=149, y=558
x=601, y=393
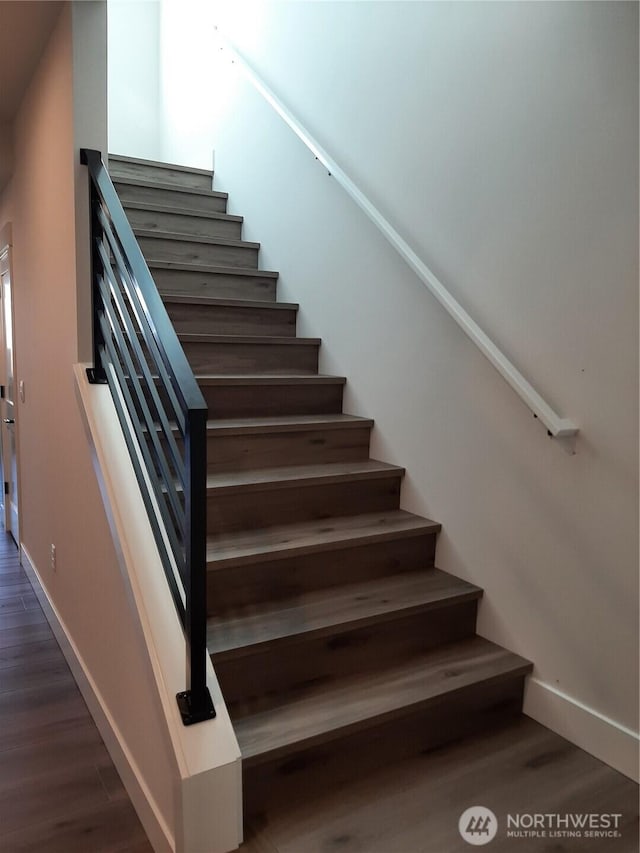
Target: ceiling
x=24, y=28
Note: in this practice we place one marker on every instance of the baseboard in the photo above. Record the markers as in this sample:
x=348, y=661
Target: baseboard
x=145, y=805
x=602, y=737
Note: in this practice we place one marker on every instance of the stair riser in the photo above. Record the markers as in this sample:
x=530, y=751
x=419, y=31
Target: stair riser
x=231, y=320
x=238, y=358
x=297, y=666
x=185, y=251
x=243, y=585
x=245, y=401
x=242, y=452
x=249, y=509
x=238, y=401
x=474, y=710
x=219, y=285
x=171, y=198
x=191, y=225
x=162, y=174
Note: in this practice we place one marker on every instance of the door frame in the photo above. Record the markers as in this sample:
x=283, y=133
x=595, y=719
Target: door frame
x=6, y=247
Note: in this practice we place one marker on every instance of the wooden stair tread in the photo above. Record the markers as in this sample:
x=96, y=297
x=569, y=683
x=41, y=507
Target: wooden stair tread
x=283, y=477
x=282, y=423
x=285, y=423
x=324, y=711
x=193, y=170
x=309, y=537
x=194, y=337
x=218, y=269
x=190, y=238
x=265, y=379
x=184, y=299
x=161, y=185
x=335, y=609
x=154, y=207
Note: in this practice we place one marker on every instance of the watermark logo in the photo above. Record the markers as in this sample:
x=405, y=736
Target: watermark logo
x=478, y=825
x=569, y=825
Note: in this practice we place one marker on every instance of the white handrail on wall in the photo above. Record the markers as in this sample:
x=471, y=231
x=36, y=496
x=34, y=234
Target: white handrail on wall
x=556, y=426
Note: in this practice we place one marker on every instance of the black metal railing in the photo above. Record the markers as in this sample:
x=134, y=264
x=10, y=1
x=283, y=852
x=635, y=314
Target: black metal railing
x=162, y=412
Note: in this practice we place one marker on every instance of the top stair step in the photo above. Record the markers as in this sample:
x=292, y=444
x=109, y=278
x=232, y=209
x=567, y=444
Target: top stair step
x=166, y=173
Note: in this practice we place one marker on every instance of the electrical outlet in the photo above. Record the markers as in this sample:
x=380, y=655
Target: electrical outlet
x=53, y=558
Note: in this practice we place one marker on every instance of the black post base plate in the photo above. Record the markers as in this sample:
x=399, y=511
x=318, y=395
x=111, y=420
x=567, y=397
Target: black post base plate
x=95, y=376
x=192, y=715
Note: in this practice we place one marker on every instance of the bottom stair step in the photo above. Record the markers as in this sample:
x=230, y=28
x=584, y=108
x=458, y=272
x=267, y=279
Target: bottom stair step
x=323, y=713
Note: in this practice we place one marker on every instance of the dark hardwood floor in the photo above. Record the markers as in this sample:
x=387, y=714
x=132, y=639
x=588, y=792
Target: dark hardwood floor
x=413, y=806
x=59, y=790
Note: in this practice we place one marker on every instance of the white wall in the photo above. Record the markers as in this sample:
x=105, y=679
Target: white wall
x=134, y=74
x=501, y=140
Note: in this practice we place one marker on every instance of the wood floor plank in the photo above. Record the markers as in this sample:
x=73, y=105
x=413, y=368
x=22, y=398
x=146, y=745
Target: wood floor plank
x=59, y=790
x=45, y=798
x=19, y=635
x=413, y=806
x=76, y=744
x=38, y=672
x=16, y=584
x=30, y=600
x=35, y=714
x=107, y=828
x=23, y=654
x=10, y=604
x=21, y=618
x=9, y=570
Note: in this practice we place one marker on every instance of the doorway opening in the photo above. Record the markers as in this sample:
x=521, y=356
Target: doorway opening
x=9, y=493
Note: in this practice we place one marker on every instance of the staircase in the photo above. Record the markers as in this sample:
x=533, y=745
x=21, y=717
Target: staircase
x=337, y=643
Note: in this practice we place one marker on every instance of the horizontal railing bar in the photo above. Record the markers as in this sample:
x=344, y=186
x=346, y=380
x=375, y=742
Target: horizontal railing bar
x=557, y=426
x=159, y=323
x=141, y=318
x=175, y=457
x=174, y=524
x=158, y=455
x=169, y=523
x=146, y=497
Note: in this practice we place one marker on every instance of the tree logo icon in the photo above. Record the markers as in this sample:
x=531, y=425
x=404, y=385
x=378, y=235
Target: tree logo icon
x=478, y=825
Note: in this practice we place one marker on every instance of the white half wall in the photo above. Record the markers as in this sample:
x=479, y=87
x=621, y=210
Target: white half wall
x=208, y=778
x=501, y=141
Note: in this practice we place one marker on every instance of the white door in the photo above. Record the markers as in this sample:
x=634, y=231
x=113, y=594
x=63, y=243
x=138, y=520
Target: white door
x=8, y=407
